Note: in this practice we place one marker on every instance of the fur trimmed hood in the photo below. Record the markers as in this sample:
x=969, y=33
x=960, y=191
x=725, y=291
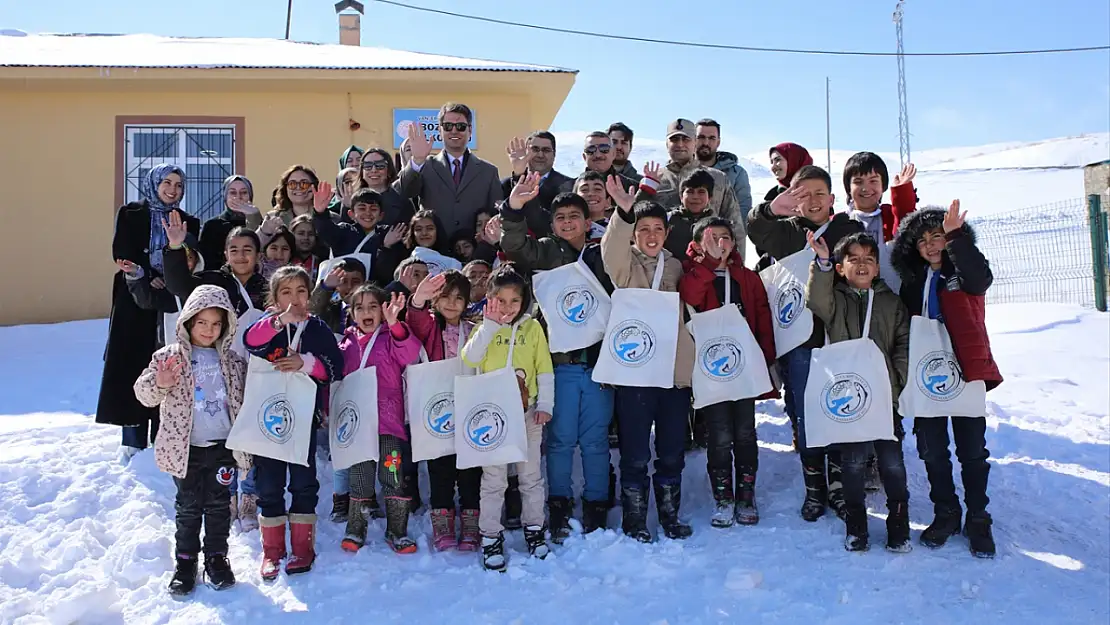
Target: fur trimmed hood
x=903, y=252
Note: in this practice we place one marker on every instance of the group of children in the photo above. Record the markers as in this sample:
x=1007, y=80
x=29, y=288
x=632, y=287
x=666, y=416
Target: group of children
x=277, y=304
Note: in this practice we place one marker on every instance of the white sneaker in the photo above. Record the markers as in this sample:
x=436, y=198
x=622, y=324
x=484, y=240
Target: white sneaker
x=127, y=453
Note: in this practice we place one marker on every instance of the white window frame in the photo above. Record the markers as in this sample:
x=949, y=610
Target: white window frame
x=133, y=162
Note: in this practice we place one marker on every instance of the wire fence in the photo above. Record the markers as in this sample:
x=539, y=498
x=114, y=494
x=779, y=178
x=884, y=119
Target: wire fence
x=1039, y=254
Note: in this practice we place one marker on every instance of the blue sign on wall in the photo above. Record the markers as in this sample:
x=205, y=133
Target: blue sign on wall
x=428, y=119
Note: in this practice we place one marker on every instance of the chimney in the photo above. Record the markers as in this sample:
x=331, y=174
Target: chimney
x=350, y=22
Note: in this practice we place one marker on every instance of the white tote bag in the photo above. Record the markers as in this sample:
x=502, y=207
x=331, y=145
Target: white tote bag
x=936, y=385
x=437, y=263
x=353, y=422
x=430, y=406
x=275, y=420
x=575, y=305
x=169, y=324
x=489, y=428
x=367, y=260
x=729, y=363
x=785, y=282
x=641, y=340
x=848, y=397
x=244, y=322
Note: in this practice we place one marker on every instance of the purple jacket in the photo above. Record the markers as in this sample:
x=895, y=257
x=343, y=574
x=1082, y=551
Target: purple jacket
x=393, y=351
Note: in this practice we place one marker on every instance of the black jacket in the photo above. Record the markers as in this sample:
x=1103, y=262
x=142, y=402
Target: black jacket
x=343, y=238
x=213, y=235
x=181, y=283
x=538, y=211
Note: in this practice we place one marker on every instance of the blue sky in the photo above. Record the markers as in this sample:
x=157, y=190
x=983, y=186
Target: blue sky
x=759, y=98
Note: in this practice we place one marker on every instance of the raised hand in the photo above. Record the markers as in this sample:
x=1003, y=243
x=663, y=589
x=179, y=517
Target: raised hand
x=242, y=206
x=418, y=145
x=906, y=176
x=176, y=230
x=334, y=277
x=710, y=246
x=127, y=266
x=517, y=152
x=395, y=235
x=292, y=315
x=321, y=196
x=818, y=245
x=168, y=371
x=428, y=290
x=954, y=219
x=526, y=189
x=653, y=170
x=408, y=278
x=789, y=202
x=492, y=232
x=393, y=309
x=493, y=311
x=158, y=283
x=624, y=198
x=270, y=224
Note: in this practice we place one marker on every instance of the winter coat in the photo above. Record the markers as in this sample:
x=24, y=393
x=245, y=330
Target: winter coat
x=681, y=223
x=487, y=349
x=162, y=300
x=537, y=211
x=429, y=330
x=629, y=171
x=698, y=289
x=343, y=238
x=723, y=202
x=843, y=312
x=316, y=340
x=181, y=283
x=175, y=404
x=728, y=164
x=395, y=349
x=132, y=331
x=213, y=234
x=628, y=267
x=966, y=276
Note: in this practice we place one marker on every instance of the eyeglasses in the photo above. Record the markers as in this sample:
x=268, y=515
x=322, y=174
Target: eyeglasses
x=374, y=165
x=601, y=147
x=538, y=150
x=303, y=185
x=449, y=126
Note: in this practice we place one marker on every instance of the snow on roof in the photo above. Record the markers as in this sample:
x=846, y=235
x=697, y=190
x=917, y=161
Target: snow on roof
x=19, y=49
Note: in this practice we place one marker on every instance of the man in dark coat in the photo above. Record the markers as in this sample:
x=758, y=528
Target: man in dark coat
x=536, y=155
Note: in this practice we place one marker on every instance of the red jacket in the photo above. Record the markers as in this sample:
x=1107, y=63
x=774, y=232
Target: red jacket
x=423, y=323
x=696, y=289
x=903, y=202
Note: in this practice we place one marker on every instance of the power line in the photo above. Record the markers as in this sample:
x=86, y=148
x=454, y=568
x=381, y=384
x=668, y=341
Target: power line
x=719, y=46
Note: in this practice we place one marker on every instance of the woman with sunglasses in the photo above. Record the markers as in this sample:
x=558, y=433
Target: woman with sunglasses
x=379, y=174
x=292, y=198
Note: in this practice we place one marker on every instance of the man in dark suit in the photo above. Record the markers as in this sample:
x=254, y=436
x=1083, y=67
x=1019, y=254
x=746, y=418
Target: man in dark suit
x=455, y=184
x=536, y=155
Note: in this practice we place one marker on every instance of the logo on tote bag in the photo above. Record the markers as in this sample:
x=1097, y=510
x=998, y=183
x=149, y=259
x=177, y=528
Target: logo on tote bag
x=347, y=424
x=846, y=398
x=633, y=343
x=276, y=419
x=939, y=376
x=789, y=304
x=485, y=427
x=577, y=304
x=721, y=359
x=438, y=413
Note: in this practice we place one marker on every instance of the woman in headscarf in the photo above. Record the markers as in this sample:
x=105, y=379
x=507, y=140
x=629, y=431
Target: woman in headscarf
x=237, y=194
x=132, y=332
x=786, y=160
x=380, y=174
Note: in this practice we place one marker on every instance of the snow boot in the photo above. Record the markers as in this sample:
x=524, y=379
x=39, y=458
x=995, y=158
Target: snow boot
x=443, y=529
x=471, y=536
x=668, y=501
x=248, y=513
x=945, y=524
x=612, y=501
x=493, y=553
x=340, y=508
x=184, y=578
x=595, y=516
x=720, y=482
x=512, y=504
x=898, y=528
x=872, y=481
x=559, y=510
x=746, y=511
x=397, y=525
x=273, y=547
x=855, y=522
x=302, y=542
x=634, y=505
x=817, y=493
x=977, y=528
x=536, y=538
x=357, y=522
x=217, y=572
x=836, y=486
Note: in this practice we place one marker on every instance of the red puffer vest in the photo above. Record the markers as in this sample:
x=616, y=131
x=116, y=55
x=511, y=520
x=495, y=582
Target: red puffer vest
x=965, y=318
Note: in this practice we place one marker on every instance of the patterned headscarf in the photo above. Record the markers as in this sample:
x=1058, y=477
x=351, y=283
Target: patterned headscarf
x=148, y=191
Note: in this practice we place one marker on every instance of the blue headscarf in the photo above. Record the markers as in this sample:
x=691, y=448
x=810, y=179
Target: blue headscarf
x=148, y=191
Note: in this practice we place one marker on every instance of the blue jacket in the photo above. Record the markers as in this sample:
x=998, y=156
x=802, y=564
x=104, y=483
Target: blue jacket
x=729, y=165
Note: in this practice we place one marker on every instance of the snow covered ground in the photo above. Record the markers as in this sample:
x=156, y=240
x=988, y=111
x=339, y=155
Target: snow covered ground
x=85, y=540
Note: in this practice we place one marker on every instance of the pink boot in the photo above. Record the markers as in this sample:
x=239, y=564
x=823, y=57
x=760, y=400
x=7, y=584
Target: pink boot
x=471, y=537
x=443, y=529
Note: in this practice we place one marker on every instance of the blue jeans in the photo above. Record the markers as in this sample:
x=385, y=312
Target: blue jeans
x=273, y=477
x=247, y=487
x=583, y=410
x=637, y=410
x=794, y=367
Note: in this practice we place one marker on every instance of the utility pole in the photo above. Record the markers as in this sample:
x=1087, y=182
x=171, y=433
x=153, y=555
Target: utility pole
x=828, y=131
x=288, y=19
x=903, y=111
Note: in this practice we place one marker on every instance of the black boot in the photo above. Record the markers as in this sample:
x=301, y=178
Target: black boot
x=668, y=501
x=559, y=510
x=855, y=521
x=595, y=516
x=340, y=507
x=945, y=524
x=898, y=527
x=493, y=553
x=612, y=501
x=836, y=486
x=746, y=511
x=977, y=528
x=217, y=572
x=634, y=504
x=536, y=538
x=412, y=491
x=184, y=578
x=817, y=493
x=512, y=504
x=720, y=482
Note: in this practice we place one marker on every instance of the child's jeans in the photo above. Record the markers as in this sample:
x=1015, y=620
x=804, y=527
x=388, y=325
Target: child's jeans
x=892, y=471
x=638, y=409
x=246, y=486
x=731, y=429
x=495, y=480
x=273, y=477
x=971, y=450
x=583, y=410
x=443, y=476
x=202, y=499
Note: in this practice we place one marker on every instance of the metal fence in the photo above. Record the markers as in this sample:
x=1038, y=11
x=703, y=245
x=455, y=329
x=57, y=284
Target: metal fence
x=1041, y=254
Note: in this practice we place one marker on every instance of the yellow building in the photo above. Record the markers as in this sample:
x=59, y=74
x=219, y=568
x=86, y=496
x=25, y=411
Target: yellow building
x=84, y=116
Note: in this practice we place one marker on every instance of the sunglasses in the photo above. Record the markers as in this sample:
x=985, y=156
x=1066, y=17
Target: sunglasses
x=303, y=185
x=375, y=165
x=601, y=147
x=449, y=126
x=538, y=150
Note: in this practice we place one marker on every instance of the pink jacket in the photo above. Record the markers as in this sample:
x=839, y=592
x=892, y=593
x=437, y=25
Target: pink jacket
x=427, y=329
x=393, y=351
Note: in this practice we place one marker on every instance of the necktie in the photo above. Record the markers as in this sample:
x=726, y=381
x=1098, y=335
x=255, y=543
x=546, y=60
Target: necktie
x=457, y=170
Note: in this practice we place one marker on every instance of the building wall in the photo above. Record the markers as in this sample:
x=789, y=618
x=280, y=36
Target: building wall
x=58, y=153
